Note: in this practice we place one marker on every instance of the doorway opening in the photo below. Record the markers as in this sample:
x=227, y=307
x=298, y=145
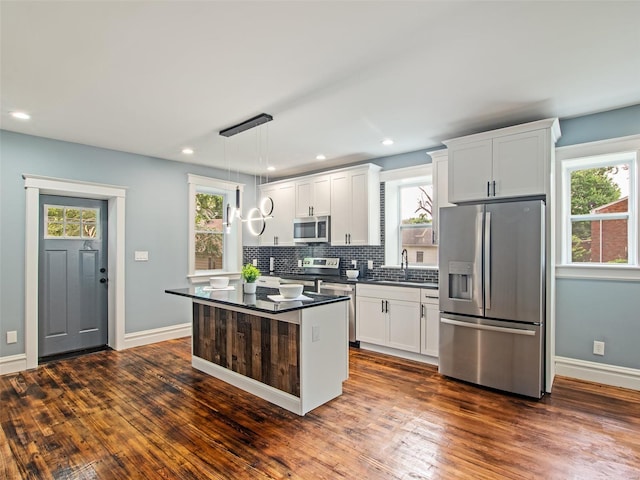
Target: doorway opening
x=115, y=197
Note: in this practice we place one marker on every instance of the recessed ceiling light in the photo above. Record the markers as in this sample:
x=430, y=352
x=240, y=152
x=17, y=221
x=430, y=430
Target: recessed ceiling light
x=387, y=142
x=270, y=168
x=21, y=115
x=187, y=151
x=320, y=157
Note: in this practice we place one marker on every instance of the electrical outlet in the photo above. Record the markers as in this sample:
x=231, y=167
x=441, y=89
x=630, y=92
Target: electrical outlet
x=12, y=336
x=354, y=263
x=370, y=264
x=598, y=348
x=299, y=263
x=255, y=262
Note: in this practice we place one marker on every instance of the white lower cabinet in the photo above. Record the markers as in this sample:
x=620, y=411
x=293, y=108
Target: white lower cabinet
x=388, y=316
x=430, y=322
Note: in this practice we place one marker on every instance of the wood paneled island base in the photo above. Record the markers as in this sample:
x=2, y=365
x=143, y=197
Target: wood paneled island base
x=261, y=348
x=296, y=359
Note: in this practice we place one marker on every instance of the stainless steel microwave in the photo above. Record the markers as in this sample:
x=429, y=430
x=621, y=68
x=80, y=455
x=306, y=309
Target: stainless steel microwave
x=312, y=230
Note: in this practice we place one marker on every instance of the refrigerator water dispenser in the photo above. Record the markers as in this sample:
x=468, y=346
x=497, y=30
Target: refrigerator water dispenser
x=460, y=280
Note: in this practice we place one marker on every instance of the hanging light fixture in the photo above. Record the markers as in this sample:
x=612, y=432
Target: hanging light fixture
x=257, y=216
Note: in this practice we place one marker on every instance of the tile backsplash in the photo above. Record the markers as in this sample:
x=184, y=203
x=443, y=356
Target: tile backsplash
x=286, y=258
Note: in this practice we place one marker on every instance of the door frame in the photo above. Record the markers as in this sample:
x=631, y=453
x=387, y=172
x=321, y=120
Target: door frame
x=36, y=185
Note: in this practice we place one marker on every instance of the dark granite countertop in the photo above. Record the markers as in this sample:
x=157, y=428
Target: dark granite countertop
x=259, y=301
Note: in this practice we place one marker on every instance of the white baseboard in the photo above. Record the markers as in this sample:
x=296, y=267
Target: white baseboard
x=418, y=357
x=155, y=335
x=13, y=363
x=598, y=372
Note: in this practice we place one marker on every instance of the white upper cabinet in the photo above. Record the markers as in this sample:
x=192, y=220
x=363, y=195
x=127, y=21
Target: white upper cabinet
x=355, y=206
x=350, y=195
x=510, y=162
x=440, y=164
x=279, y=229
x=313, y=196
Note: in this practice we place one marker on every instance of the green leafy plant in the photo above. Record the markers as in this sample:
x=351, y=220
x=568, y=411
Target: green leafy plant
x=250, y=273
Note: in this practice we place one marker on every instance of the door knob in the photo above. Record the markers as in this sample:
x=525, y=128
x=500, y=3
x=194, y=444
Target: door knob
x=103, y=280
x=102, y=270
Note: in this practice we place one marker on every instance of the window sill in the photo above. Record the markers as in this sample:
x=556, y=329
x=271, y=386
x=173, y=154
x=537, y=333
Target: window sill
x=599, y=272
x=203, y=276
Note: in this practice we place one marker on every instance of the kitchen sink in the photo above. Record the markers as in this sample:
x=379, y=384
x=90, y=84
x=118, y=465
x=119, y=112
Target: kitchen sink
x=411, y=283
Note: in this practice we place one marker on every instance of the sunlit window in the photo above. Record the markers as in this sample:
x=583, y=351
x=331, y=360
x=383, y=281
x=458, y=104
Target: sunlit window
x=211, y=248
x=599, y=198
x=416, y=228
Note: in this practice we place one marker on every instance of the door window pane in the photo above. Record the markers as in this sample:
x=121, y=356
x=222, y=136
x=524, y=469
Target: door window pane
x=71, y=222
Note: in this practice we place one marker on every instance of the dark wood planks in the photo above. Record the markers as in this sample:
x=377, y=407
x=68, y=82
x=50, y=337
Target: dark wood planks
x=260, y=348
x=146, y=413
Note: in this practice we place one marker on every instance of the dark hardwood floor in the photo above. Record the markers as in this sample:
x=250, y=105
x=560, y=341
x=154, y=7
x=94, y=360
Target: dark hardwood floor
x=145, y=413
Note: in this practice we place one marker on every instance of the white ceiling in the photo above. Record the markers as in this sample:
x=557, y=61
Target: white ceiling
x=338, y=77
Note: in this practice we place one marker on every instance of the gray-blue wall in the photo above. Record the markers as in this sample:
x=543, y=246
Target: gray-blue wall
x=588, y=310
x=156, y=220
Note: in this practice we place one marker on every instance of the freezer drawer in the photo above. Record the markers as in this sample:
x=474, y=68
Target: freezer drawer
x=503, y=355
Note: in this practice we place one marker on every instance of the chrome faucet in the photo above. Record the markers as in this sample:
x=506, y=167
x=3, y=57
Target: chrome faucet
x=404, y=260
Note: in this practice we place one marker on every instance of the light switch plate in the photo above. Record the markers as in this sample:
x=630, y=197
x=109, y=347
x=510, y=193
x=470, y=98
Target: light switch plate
x=141, y=256
x=370, y=264
x=12, y=336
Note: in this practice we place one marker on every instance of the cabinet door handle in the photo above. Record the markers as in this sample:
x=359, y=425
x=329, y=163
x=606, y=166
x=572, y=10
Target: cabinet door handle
x=386, y=305
x=311, y=211
x=345, y=239
x=494, y=188
x=382, y=306
x=488, y=189
x=422, y=310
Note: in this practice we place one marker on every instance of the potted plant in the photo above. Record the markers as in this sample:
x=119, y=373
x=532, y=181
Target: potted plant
x=250, y=274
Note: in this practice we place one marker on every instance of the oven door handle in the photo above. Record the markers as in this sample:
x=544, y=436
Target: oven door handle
x=491, y=328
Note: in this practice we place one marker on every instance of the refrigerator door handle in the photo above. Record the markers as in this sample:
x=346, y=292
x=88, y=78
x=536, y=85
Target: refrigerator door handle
x=487, y=261
x=475, y=326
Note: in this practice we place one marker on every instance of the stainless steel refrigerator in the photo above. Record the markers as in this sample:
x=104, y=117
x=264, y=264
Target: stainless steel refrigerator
x=492, y=295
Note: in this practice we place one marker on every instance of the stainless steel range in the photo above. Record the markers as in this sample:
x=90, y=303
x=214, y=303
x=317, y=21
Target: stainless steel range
x=323, y=274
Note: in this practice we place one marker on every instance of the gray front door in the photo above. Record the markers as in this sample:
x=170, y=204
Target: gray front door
x=72, y=285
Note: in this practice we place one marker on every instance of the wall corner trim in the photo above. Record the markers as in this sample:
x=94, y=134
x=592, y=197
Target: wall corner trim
x=598, y=372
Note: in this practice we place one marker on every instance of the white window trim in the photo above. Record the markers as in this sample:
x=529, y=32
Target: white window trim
x=583, y=151
x=393, y=182
x=232, y=258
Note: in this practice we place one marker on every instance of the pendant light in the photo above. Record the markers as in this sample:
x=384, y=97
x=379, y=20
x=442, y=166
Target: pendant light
x=257, y=216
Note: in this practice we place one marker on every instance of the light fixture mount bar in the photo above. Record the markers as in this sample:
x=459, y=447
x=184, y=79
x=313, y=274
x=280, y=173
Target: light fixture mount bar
x=246, y=125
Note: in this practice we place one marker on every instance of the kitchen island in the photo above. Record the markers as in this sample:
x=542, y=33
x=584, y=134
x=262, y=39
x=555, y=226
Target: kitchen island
x=291, y=353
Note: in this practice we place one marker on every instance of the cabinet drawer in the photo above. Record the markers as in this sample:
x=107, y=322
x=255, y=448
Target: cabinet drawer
x=429, y=295
x=389, y=293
